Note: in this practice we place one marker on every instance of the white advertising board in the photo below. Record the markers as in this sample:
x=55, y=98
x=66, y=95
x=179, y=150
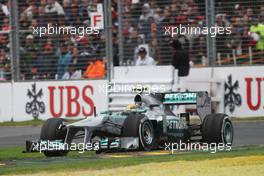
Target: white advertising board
x=5, y=102
x=64, y=99
x=244, y=88
x=20, y=101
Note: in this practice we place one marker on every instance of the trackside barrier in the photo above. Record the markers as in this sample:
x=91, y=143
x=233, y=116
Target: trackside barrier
x=161, y=79
x=202, y=79
x=237, y=91
x=128, y=81
x=22, y=101
x=6, y=106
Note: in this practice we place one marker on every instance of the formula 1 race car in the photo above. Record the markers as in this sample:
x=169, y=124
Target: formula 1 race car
x=146, y=125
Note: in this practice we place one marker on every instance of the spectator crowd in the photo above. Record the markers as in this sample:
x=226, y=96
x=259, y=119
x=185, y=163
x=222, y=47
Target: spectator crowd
x=143, y=23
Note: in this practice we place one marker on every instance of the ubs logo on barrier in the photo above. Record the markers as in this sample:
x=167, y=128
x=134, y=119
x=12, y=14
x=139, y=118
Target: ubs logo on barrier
x=78, y=101
x=232, y=99
x=35, y=106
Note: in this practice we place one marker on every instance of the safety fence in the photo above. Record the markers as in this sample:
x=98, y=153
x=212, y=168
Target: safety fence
x=35, y=44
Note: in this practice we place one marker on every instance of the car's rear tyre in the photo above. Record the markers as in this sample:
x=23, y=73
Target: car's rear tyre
x=136, y=125
x=217, y=128
x=53, y=130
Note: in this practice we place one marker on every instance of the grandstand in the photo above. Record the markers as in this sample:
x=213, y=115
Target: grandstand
x=135, y=22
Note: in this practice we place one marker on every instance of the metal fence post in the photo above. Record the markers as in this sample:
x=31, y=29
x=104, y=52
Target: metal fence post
x=108, y=38
x=210, y=22
x=120, y=32
x=14, y=41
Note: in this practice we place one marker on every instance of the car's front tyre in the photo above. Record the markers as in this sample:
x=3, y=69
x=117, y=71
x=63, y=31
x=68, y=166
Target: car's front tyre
x=52, y=130
x=137, y=125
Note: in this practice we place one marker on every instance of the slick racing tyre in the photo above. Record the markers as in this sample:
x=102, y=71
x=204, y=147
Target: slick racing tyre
x=217, y=128
x=137, y=125
x=53, y=130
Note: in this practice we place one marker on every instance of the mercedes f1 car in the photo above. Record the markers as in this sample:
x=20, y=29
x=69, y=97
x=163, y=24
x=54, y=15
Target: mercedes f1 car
x=146, y=125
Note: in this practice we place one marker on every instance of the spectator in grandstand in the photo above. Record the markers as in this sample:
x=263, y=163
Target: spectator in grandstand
x=4, y=11
x=47, y=63
x=72, y=73
x=83, y=61
x=54, y=7
x=5, y=25
x=74, y=17
x=147, y=12
x=23, y=22
x=70, y=46
x=233, y=41
x=164, y=49
x=153, y=47
x=29, y=54
x=257, y=32
x=96, y=44
x=143, y=58
x=158, y=15
x=199, y=50
x=84, y=53
x=41, y=19
x=180, y=58
x=96, y=69
x=31, y=11
x=67, y=10
x=84, y=11
x=5, y=28
x=30, y=43
x=28, y=63
x=4, y=8
x=4, y=65
x=75, y=55
x=65, y=59
x=221, y=20
x=250, y=14
x=261, y=12
x=145, y=21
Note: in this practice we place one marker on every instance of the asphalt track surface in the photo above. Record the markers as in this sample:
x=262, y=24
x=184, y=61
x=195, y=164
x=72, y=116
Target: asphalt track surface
x=246, y=133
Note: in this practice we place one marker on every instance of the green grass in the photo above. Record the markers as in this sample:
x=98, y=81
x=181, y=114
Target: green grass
x=28, y=123
x=247, y=119
x=16, y=153
x=25, y=163
x=23, y=123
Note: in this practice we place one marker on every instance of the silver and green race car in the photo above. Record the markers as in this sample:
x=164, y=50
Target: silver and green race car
x=146, y=125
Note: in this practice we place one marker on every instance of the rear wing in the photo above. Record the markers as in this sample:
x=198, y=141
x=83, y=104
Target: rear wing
x=200, y=99
x=179, y=98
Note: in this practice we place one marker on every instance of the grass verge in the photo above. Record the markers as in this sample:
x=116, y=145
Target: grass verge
x=12, y=161
x=247, y=119
x=23, y=123
x=237, y=166
x=37, y=122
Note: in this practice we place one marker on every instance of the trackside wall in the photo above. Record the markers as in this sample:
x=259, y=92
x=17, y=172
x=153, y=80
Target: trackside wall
x=237, y=91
